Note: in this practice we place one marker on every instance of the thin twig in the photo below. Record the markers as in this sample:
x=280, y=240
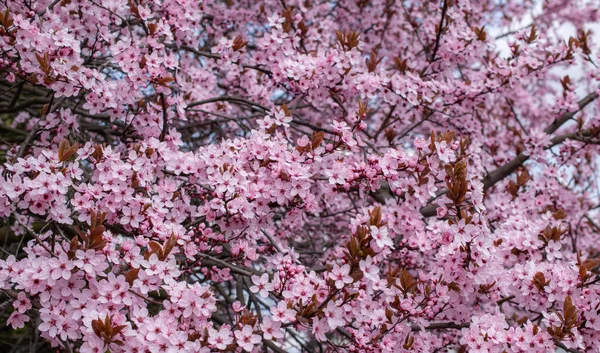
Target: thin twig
x=439, y=31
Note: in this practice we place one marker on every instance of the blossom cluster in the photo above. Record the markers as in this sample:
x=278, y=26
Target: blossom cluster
x=299, y=176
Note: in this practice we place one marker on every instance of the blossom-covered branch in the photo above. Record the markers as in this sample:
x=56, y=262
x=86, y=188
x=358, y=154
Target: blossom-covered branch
x=299, y=176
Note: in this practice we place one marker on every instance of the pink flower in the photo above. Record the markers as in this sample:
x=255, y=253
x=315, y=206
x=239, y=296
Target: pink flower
x=380, y=235
x=221, y=338
x=261, y=285
x=553, y=250
x=369, y=269
x=334, y=315
x=441, y=212
x=319, y=329
x=90, y=261
x=282, y=314
x=421, y=143
x=444, y=152
x=17, y=320
x=340, y=275
x=22, y=303
x=335, y=176
x=271, y=329
x=131, y=216
x=246, y=338
x=61, y=267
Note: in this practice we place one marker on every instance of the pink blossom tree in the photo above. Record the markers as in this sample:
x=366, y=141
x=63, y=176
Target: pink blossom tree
x=299, y=176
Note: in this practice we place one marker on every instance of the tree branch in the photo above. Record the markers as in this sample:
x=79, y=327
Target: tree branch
x=439, y=31
x=228, y=99
x=558, y=122
x=507, y=169
x=441, y=325
x=165, y=125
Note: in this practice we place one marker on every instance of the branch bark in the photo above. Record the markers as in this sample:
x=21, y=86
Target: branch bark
x=441, y=325
x=229, y=99
x=507, y=169
x=439, y=31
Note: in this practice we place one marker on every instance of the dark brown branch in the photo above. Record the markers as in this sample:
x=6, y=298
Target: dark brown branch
x=384, y=123
x=558, y=122
x=32, y=133
x=512, y=109
x=216, y=56
x=165, y=125
x=592, y=223
x=195, y=51
x=17, y=94
x=439, y=31
x=516, y=162
x=228, y=99
x=22, y=106
x=242, y=271
x=414, y=126
x=441, y=325
x=11, y=130
x=507, y=169
x=312, y=126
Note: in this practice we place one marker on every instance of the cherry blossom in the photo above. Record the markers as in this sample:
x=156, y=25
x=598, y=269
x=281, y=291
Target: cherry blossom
x=261, y=285
x=246, y=339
